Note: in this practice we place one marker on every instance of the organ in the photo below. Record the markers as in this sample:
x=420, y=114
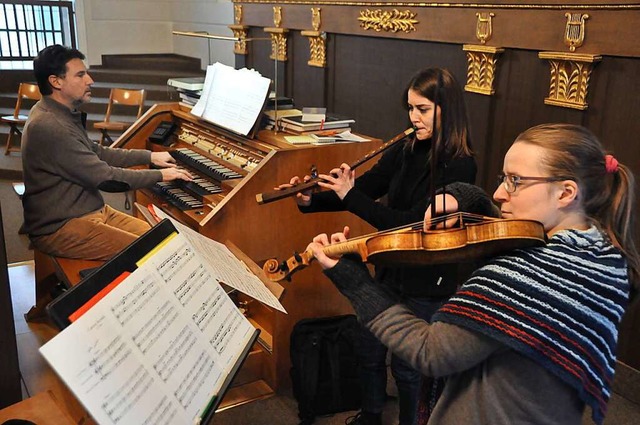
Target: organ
x=221, y=204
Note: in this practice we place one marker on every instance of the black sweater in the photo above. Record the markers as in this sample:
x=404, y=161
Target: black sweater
x=403, y=175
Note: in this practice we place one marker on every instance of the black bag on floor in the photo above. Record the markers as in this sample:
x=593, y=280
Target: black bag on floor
x=324, y=366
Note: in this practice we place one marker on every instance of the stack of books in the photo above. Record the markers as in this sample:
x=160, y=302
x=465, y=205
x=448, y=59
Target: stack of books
x=189, y=88
x=295, y=125
x=282, y=102
x=270, y=115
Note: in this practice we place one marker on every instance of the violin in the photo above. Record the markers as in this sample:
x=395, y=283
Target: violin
x=264, y=198
x=473, y=237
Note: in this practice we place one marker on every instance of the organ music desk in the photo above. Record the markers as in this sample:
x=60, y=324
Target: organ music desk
x=231, y=171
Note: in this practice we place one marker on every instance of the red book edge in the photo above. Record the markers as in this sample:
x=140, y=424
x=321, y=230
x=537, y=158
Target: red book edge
x=97, y=297
x=152, y=211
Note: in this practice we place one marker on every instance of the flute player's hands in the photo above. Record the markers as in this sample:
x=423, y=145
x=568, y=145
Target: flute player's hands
x=303, y=199
x=340, y=180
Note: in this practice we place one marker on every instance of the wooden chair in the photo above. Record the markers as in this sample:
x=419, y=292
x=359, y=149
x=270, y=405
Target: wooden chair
x=120, y=97
x=25, y=91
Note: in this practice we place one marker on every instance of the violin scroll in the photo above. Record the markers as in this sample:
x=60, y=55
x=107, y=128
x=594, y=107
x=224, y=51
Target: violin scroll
x=277, y=271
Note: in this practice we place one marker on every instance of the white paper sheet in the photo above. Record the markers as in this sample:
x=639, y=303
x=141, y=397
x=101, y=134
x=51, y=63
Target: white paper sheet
x=157, y=347
x=224, y=266
x=232, y=98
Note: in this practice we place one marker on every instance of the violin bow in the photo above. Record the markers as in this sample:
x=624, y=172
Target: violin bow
x=435, y=145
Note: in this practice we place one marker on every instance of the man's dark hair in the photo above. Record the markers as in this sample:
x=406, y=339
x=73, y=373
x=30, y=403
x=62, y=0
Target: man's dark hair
x=52, y=60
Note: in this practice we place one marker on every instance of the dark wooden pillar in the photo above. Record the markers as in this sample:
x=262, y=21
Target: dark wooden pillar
x=10, y=392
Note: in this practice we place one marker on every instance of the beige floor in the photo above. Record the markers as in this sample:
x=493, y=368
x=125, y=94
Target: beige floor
x=36, y=374
x=282, y=409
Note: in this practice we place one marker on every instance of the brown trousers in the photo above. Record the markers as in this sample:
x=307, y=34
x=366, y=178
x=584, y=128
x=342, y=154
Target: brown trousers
x=95, y=236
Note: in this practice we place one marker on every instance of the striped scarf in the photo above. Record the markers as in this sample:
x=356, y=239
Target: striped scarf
x=559, y=305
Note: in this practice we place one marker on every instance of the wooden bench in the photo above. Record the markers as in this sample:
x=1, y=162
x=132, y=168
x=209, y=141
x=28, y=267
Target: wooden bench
x=49, y=272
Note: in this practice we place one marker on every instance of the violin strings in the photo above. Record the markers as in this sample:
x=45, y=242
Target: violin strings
x=462, y=217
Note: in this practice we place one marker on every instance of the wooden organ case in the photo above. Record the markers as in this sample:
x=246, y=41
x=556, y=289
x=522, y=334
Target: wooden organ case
x=222, y=205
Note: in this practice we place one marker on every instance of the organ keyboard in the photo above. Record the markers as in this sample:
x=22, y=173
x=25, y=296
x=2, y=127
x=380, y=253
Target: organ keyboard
x=220, y=204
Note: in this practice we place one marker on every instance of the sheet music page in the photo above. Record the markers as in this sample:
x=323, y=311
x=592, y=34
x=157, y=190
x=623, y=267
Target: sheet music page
x=199, y=107
x=232, y=98
x=157, y=347
x=224, y=266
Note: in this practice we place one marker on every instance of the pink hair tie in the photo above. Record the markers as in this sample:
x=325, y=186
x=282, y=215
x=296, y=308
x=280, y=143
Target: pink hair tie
x=610, y=164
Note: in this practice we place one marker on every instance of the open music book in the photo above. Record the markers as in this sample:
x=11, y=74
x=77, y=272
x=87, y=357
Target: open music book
x=157, y=344
x=232, y=98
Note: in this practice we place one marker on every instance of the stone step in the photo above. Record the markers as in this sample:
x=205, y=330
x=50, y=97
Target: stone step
x=166, y=62
x=139, y=77
x=149, y=72
x=93, y=135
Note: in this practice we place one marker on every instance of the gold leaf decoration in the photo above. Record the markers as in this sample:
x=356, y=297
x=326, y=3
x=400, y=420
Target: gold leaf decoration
x=388, y=20
x=482, y=62
x=570, y=75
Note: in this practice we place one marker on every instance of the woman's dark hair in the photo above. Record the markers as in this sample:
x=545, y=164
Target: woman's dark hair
x=607, y=196
x=52, y=60
x=454, y=123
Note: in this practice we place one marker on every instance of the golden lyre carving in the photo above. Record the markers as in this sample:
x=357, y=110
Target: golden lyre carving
x=239, y=31
x=575, y=30
x=570, y=74
x=317, y=41
x=482, y=67
x=484, y=27
x=277, y=16
x=237, y=14
x=385, y=20
x=316, y=20
x=278, y=36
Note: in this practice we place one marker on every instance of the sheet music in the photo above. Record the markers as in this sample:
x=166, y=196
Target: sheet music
x=157, y=347
x=224, y=266
x=232, y=98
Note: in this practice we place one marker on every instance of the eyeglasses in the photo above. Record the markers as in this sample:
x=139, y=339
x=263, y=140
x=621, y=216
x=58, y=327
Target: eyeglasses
x=511, y=182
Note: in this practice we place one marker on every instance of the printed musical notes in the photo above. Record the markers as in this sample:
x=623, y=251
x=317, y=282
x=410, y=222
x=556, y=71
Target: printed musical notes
x=157, y=347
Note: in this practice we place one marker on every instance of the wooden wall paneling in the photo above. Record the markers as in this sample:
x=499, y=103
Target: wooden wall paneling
x=371, y=75
x=613, y=116
x=480, y=109
x=308, y=83
x=367, y=70
x=522, y=84
x=258, y=54
x=608, y=26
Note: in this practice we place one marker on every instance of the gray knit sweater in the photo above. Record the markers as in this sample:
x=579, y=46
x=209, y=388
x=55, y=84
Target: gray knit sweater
x=63, y=168
x=490, y=380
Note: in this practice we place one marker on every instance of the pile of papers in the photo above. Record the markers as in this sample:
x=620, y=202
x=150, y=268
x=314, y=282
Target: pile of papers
x=232, y=98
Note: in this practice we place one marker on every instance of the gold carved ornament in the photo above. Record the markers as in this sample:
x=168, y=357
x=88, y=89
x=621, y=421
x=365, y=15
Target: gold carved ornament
x=575, y=30
x=317, y=41
x=484, y=27
x=482, y=61
x=239, y=31
x=277, y=16
x=570, y=75
x=389, y=21
x=481, y=68
x=237, y=14
x=278, y=36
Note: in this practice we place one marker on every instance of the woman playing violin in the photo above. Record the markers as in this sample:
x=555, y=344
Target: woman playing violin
x=403, y=174
x=531, y=336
